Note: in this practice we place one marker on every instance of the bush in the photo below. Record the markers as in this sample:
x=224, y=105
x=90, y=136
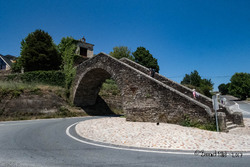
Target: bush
x=56, y=78
x=193, y=123
x=67, y=48
x=109, y=87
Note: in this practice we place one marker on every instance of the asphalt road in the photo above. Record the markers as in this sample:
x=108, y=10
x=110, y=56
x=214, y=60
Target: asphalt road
x=242, y=106
x=45, y=143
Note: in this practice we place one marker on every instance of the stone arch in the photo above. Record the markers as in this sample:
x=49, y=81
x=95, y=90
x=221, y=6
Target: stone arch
x=143, y=98
x=89, y=84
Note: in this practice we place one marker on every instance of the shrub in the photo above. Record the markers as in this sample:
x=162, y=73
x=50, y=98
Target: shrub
x=46, y=77
x=194, y=123
x=109, y=87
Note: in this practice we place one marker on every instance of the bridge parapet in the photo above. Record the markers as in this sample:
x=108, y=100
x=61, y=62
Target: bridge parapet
x=187, y=91
x=143, y=97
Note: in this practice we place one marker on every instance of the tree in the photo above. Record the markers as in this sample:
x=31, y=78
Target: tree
x=206, y=86
x=194, y=80
x=143, y=57
x=240, y=85
x=17, y=66
x=224, y=88
x=67, y=49
x=186, y=80
x=120, y=52
x=38, y=52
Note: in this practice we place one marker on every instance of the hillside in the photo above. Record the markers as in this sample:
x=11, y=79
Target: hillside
x=20, y=101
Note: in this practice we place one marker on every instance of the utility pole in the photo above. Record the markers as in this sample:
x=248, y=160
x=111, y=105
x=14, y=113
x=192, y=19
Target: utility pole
x=216, y=107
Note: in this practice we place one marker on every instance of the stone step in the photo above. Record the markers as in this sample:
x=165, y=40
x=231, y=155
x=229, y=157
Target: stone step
x=229, y=123
x=229, y=127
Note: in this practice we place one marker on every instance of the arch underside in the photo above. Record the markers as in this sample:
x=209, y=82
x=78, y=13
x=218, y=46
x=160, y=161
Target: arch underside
x=89, y=87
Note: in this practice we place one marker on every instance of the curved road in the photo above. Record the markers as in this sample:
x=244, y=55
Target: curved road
x=40, y=143
x=242, y=106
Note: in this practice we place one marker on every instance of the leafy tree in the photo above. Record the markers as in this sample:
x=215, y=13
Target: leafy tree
x=143, y=57
x=67, y=49
x=186, y=80
x=224, y=88
x=38, y=52
x=240, y=85
x=17, y=66
x=194, y=80
x=206, y=86
x=65, y=43
x=120, y=52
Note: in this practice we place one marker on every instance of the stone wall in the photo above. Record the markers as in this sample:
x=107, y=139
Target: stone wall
x=185, y=90
x=237, y=118
x=143, y=98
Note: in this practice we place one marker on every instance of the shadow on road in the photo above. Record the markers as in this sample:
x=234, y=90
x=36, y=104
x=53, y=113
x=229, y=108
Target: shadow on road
x=99, y=109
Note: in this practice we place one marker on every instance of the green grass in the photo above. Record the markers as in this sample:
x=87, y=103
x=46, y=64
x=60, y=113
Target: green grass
x=109, y=87
x=12, y=85
x=14, y=89
x=193, y=123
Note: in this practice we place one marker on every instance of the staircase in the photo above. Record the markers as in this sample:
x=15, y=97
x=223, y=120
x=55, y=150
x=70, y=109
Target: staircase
x=230, y=115
x=230, y=125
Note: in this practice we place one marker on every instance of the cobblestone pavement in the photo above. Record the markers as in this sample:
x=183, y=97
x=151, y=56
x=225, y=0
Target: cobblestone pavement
x=164, y=136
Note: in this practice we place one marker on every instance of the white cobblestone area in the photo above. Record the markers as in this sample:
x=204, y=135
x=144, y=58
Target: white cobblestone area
x=164, y=136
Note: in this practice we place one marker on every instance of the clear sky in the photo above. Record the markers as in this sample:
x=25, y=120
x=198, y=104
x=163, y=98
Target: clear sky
x=210, y=36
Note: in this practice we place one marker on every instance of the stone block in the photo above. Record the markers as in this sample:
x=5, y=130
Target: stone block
x=238, y=118
x=222, y=122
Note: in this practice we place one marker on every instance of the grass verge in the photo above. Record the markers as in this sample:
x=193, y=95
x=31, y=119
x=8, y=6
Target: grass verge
x=12, y=89
x=62, y=113
x=192, y=123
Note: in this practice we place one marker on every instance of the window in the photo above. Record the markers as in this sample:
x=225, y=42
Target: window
x=83, y=51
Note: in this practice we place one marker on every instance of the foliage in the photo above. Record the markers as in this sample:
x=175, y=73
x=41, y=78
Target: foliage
x=195, y=78
x=109, y=87
x=206, y=86
x=120, y=52
x=194, y=81
x=224, y=88
x=61, y=113
x=240, y=85
x=38, y=52
x=194, y=123
x=186, y=80
x=45, y=77
x=67, y=49
x=17, y=66
x=66, y=43
x=14, y=89
x=143, y=57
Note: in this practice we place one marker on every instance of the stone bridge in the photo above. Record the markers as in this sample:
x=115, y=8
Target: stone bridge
x=144, y=98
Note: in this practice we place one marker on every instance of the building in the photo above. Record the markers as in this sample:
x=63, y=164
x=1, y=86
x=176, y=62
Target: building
x=84, y=49
x=6, y=62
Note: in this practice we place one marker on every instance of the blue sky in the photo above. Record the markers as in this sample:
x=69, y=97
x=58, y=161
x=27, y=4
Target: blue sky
x=210, y=36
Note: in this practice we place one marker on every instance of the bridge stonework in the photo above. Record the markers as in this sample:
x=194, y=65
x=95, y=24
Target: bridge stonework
x=143, y=97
